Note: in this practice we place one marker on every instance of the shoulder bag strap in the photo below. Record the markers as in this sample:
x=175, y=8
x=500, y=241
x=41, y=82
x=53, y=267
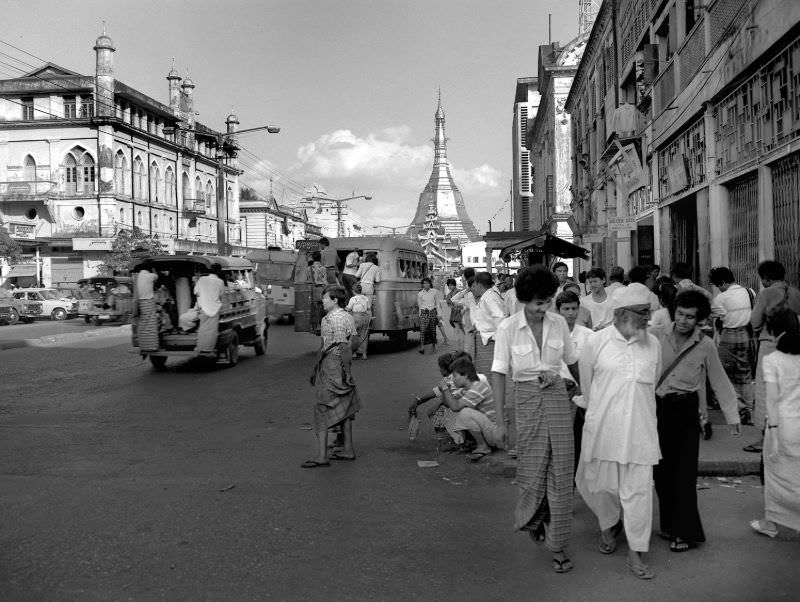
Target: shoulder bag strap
x=675, y=362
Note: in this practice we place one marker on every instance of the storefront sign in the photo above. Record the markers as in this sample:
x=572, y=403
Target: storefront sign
x=26, y=231
x=621, y=224
x=306, y=245
x=92, y=244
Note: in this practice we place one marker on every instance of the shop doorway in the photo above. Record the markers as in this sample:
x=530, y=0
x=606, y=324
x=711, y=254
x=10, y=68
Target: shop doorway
x=683, y=220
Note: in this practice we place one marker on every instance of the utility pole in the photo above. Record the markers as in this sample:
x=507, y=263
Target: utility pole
x=229, y=138
x=339, y=211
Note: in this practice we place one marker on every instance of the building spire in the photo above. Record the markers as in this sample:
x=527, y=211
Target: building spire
x=439, y=140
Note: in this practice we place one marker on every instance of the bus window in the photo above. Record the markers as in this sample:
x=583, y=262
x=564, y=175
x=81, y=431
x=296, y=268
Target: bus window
x=401, y=268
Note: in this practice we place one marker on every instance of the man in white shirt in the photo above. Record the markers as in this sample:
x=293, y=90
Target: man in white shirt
x=733, y=306
x=489, y=311
x=465, y=299
x=619, y=367
x=349, y=275
x=208, y=290
x=598, y=301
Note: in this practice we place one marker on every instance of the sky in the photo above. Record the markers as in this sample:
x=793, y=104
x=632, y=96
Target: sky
x=351, y=83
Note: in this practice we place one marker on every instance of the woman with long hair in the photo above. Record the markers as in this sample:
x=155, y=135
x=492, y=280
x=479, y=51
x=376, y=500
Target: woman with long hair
x=428, y=301
x=781, y=373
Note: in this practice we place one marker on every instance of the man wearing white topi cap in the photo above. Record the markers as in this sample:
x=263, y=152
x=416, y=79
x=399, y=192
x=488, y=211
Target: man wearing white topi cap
x=619, y=367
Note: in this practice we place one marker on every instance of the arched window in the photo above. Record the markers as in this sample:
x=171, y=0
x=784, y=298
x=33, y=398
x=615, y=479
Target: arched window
x=187, y=190
x=87, y=174
x=198, y=189
x=122, y=216
x=155, y=183
x=70, y=174
x=169, y=187
x=120, y=173
x=209, y=195
x=79, y=172
x=138, y=178
x=29, y=169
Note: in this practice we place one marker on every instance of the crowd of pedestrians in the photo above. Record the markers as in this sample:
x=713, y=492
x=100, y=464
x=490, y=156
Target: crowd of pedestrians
x=607, y=384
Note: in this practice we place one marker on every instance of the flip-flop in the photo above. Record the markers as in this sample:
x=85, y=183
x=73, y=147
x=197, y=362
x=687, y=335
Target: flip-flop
x=753, y=448
x=562, y=566
x=314, y=464
x=342, y=457
x=681, y=545
x=759, y=526
x=477, y=456
x=642, y=571
x=609, y=547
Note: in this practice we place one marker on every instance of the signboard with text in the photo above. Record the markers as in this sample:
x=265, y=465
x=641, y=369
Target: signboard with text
x=622, y=224
x=25, y=231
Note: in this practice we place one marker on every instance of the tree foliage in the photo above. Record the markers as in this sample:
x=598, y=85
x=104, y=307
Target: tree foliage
x=9, y=248
x=130, y=246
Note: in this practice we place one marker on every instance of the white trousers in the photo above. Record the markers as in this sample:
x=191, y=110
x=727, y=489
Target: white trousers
x=613, y=490
x=475, y=421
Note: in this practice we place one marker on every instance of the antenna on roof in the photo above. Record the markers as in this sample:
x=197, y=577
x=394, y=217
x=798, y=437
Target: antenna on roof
x=549, y=28
x=104, y=27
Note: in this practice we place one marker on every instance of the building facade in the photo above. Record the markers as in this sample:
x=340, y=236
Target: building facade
x=265, y=224
x=526, y=104
x=82, y=157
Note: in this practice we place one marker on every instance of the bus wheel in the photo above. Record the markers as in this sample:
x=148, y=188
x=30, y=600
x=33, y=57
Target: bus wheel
x=399, y=338
x=87, y=319
x=159, y=362
x=233, y=350
x=260, y=345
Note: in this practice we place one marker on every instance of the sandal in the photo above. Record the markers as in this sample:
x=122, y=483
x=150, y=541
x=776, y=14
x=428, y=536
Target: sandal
x=761, y=526
x=314, y=464
x=755, y=448
x=677, y=544
x=642, y=571
x=338, y=456
x=609, y=547
x=562, y=566
x=477, y=456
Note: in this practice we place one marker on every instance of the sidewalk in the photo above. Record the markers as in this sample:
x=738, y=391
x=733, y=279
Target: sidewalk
x=722, y=455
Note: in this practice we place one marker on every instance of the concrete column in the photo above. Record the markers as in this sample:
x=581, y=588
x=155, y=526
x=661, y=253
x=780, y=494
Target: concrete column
x=704, y=243
x=766, y=233
x=718, y=211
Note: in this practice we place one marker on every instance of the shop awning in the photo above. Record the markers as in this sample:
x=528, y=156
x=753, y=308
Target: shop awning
x=22, y=270
x=547, y=243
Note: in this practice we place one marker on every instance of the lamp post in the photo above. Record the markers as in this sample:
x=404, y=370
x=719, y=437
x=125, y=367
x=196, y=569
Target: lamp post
x=394, y=228
x=339, y=223
x=222, y=202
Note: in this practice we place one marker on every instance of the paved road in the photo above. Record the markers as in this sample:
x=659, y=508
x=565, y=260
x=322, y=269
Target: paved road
x=119, y=483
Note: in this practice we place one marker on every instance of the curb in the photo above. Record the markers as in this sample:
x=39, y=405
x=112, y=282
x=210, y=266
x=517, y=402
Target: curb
x=70, y=337
x=500, y=464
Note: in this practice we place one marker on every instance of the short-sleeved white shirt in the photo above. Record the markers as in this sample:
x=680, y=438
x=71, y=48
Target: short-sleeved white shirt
x=516, y=348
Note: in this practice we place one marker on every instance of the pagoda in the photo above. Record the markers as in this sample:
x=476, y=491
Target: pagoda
x=442, y=194
x=443, y=251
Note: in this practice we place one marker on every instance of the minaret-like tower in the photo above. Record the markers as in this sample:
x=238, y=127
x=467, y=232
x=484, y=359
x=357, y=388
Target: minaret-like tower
x=104, y=75
x=442, y=193
x=173, y=79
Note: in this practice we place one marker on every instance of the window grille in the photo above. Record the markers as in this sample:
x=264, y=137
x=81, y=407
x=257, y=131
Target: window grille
x=743, y=229
x=786, y=214
x=70, y=107
x=27, y=109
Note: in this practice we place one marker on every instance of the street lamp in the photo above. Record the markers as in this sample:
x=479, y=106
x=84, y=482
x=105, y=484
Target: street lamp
x=222, y=202
x=339, y=222
x=393, y=228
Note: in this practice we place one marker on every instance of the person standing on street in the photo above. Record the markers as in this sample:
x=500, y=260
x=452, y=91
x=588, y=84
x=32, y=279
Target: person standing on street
x=360, y=307
x=618, y=370
x=350, y=273
x=337, y=397
x=776, y=294
x=616, y=279
x=598, y=302
x=532, y=345
x=428, y=302
x=782, y=440
x=690, y=359
x=490, y=310
x=561, y=270
x=208, y=290
x=330, y=260
x=734, y=305
x=319, y=278
x=369, y=274
x=147, y=328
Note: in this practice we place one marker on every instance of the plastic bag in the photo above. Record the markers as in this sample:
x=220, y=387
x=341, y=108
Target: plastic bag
x=413, y=427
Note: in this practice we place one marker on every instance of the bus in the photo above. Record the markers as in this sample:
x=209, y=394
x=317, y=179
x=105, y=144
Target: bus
x=275, y=276
x=394, y=305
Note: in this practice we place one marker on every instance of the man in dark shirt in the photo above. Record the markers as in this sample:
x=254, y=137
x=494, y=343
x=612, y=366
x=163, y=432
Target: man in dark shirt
x=330, y=260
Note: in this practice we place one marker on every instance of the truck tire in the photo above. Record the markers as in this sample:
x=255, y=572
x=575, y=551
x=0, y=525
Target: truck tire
x=159, y=362
x=232, y=351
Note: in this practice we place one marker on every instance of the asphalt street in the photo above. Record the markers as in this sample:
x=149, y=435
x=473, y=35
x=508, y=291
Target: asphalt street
x=121, y=483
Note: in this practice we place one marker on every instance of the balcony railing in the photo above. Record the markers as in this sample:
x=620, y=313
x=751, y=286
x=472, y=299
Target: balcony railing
x=27, y=191
x=194, y=206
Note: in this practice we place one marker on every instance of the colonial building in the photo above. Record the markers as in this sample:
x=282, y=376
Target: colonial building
x=549, y=141
x=265, y=223
x=82, y=157
x=526, y=104
x=442, y=194
x=685, y=130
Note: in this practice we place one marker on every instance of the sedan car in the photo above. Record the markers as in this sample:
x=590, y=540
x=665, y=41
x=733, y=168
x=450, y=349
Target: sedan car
x=44, y=303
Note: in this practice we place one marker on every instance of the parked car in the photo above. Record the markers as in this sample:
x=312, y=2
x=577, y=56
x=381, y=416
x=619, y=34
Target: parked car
x=43, y=303
x=8, y=311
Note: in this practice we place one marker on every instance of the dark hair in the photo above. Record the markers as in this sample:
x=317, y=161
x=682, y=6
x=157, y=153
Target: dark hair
x=464, y=365
x=571, y=284
x=655, y=266
x=617, y=274
x=720, y=276
x=582, y=277
x=696, y=299
x=426, y=279
x=782, y=322
x=446, y=359
x=324, y=242
x=468, y=273
x=771, y=269
x=372, y=258
x=535, y=282
x=559, y=264
x=451, y=281
x=682, y=270
x=357, y=288
x=484, y=279
x=316, y=256
x=567, y=297
x=666, y=292
x=337, y=293
x=637, y=274
x=596, y=272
